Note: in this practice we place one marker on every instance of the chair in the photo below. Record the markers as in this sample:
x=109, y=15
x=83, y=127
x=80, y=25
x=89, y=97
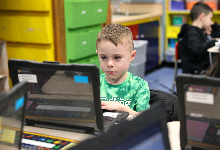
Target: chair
x=168, y=101
x=177, y=59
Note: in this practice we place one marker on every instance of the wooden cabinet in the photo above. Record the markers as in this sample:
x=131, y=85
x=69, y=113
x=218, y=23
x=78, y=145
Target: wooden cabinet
x=148, y=31
x=4, y=78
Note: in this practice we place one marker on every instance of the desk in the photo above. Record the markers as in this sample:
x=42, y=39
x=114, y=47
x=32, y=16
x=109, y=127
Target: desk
x=173, y=129
x=214, y=49
x=150, y=12
x=59, y=133
x=174, y=135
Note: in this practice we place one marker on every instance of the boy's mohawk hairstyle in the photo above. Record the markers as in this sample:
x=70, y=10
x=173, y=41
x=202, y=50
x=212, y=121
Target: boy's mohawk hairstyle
x=114, y=33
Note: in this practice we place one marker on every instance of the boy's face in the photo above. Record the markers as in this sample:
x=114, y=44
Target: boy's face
x=207, y=20
x=114, y=61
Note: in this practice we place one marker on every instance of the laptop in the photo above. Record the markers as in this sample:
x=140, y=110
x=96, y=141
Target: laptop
x=146, y=131
x=63, y=96
x=199, y=111
x=12, y=108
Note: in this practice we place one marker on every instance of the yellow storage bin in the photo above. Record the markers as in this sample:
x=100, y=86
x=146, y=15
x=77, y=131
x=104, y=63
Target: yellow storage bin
x=36, y=52
x=172, y=32
x=26, y=27
x=26, y=5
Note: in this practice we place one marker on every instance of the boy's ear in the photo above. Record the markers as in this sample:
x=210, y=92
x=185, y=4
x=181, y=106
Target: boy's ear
x=96, y=51
x=133, y=54
x=201, y=16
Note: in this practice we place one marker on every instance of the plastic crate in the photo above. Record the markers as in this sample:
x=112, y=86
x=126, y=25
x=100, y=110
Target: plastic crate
x=170, y=55
x=137, y=69
x=141, y=51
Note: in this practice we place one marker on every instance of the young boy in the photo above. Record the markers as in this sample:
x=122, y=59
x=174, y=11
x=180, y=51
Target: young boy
x=119, y=89
x=193, y=40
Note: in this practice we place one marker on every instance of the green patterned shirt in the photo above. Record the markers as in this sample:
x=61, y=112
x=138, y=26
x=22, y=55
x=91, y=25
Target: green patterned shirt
x=133, y=92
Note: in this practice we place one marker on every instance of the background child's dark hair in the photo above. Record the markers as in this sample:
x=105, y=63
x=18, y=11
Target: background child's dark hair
x=199, y=8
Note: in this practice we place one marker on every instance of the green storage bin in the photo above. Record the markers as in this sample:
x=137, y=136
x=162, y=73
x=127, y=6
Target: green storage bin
x=88, y=60
x=81, y=43
x=82, y=13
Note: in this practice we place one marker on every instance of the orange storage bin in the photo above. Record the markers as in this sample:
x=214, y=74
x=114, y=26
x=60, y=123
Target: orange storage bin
x=213, y=4
x=190, y=4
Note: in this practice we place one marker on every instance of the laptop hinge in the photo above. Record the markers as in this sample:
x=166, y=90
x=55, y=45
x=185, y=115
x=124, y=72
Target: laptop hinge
x=56, y=126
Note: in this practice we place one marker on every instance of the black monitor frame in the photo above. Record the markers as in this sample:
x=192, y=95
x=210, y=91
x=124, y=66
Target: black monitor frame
x=89, y=68
x=181, y=80
x=125, y=130
x=10, y=97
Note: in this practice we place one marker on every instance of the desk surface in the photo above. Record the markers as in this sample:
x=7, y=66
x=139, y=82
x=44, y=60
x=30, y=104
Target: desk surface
x=214, y=49
x=173, y=129
x=58, y=133
x=142, y=17
x=148, y=11
x=174, y=134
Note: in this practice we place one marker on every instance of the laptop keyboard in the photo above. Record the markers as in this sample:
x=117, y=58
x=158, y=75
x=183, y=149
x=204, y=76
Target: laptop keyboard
x=107, y=120
x=34, y=141
x=63, y=102
x=111, y=118
x=61, y=108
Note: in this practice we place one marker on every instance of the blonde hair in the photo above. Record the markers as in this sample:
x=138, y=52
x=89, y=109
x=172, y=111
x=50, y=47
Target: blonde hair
x=116, y=33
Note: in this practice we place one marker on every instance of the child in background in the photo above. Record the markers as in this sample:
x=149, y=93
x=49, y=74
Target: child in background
x=194, y=40
x=119, y=89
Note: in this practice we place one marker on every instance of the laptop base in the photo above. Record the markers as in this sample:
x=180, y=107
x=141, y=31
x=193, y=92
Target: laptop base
x=57, y=126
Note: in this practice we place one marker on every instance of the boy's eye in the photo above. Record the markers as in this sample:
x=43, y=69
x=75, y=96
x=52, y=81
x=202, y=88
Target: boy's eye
x=103, y=57
x=117, y=58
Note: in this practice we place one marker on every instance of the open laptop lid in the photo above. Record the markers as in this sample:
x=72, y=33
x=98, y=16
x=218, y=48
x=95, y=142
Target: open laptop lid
x=199, y=111
x=146, y=131
x=12, y=107
x=74, y=86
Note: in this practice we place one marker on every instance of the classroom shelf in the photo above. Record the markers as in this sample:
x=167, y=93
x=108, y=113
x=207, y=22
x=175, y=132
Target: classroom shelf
x=173, y=30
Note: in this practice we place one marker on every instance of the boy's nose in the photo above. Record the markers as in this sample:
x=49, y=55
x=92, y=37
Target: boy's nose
x=110, y=63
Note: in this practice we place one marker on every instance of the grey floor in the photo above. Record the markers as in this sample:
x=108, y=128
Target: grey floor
x=161, y=79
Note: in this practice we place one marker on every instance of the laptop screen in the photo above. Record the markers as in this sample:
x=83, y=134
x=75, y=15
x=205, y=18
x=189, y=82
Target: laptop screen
x=150, y=137
x=12, y=117
x=59, y=93
x=201, y=97
x=146, y=131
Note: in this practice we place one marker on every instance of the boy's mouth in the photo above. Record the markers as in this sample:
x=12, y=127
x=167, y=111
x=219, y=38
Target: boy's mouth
x=111, y=72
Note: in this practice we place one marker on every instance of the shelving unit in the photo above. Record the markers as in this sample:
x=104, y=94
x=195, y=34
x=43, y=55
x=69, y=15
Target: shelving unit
x=172, y=31
x=48, y=29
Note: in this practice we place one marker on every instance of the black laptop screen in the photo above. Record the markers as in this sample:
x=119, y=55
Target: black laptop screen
x=11, y=124
x=59, y=96
x=202, y=115
x=150, y=137
x=199, y=111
